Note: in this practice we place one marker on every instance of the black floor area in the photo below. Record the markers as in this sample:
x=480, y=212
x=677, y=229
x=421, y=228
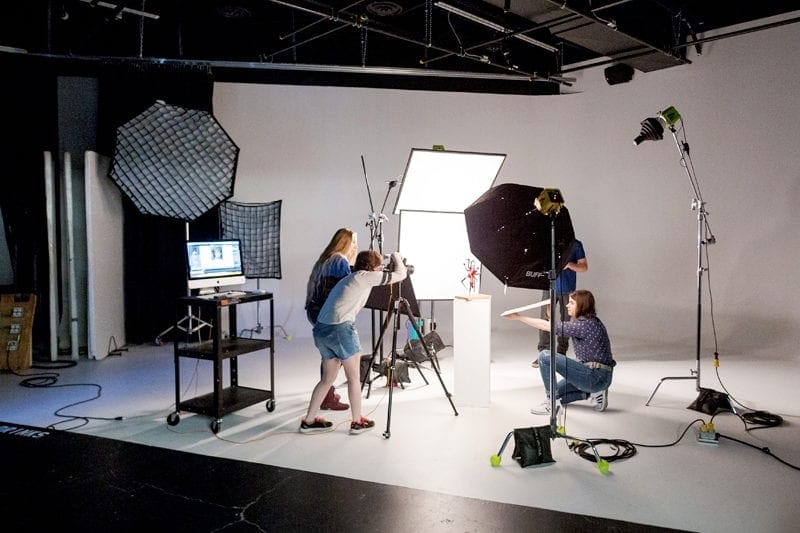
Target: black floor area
x=62, y=481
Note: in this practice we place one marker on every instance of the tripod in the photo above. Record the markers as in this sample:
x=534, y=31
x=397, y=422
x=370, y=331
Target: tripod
x=401, y=305
x=704, y=237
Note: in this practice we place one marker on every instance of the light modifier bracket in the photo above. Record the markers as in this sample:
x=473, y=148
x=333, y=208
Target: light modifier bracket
x=549, y=201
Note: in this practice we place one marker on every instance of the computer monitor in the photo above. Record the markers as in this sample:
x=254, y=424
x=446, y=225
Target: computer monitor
x=212, y=264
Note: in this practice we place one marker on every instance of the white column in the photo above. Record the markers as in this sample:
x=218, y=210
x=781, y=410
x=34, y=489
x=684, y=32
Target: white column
x=472, y=319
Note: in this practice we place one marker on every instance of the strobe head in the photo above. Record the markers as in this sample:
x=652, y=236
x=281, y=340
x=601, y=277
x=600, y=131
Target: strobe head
x=652, y=130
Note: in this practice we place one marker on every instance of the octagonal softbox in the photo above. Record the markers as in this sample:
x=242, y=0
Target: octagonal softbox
x=174, y=162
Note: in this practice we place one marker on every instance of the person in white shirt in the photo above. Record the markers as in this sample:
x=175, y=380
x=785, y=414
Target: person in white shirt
x=336, y=336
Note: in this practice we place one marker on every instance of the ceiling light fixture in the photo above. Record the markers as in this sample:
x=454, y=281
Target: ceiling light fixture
x=489, y=24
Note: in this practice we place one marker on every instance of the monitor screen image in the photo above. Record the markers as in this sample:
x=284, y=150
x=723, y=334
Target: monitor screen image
x=214, y=263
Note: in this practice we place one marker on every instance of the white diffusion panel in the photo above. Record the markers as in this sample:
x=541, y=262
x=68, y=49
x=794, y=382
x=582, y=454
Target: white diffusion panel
x=438, y=180
x=436, y=245
x=106, y=299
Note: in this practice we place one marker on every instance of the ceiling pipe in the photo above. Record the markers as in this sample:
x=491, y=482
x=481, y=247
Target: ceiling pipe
x=119, y=9
x=497, y=27
x=360, y=22
x=744, y=31
x=560, y=20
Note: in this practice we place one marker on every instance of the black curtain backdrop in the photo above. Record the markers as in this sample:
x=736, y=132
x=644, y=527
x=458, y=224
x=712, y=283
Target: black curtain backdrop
x=154, y=262
x=29, y=128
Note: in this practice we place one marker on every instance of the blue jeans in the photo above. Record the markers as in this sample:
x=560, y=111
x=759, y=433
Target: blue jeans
x=578, y=382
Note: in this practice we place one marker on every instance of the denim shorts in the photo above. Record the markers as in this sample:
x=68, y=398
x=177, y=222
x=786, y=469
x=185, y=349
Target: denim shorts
x=339, y=341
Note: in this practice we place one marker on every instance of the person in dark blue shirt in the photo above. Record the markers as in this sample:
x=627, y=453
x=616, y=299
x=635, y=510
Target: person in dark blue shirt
x=566, y=282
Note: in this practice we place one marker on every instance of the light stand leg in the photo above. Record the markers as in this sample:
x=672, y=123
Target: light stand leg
x=377, y=347
x=195, y=324
x=402, y=305
x=696, y=204
x=390, y=372
x=406, y=308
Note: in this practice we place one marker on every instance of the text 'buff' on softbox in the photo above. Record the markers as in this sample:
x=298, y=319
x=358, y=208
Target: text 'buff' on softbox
x=512, y=238
x=174, y=162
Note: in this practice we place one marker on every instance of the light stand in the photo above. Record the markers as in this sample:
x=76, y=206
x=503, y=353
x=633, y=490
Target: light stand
x=375, y=225
x=189, y=324
x=376, y=220
x=652, y=130
x=549, y=203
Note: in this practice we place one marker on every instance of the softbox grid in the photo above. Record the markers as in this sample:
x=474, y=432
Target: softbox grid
x=258, y=227
x=174, y=162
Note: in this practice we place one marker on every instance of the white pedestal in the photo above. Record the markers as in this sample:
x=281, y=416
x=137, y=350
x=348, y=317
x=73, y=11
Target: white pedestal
x=472, y=322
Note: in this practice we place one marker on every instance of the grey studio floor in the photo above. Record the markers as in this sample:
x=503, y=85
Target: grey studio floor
x=690, y=485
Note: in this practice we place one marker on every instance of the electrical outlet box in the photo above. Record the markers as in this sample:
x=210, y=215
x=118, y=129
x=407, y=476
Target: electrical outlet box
x=16, y=327
x=708, y=438
x=707, y=434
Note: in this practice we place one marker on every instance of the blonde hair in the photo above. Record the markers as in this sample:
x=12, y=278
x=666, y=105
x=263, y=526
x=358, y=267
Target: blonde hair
x=341, y=243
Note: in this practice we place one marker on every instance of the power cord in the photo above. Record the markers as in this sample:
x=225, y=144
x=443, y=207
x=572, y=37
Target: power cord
x=676, y=441
x=622, y=449
x=758, y=419
x=763, y=449
x=49, y=380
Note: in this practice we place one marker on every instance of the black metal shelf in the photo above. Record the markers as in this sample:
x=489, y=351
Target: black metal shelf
x=223, y=399
x=229, y=347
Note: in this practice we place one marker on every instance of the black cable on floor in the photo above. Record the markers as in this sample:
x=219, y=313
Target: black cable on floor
x=763, y=449
x=762, y=419
x=50, y=380
x=693, y=422
x=623, y=449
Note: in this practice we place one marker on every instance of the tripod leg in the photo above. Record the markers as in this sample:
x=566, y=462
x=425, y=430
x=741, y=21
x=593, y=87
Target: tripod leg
x=376, y=348
x=406, y=310
x=390, y=373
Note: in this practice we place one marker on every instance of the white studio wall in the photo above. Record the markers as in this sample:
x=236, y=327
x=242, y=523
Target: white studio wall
x=630, y=206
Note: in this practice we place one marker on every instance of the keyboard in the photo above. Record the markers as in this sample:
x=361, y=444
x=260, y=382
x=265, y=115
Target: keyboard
x=231, y=294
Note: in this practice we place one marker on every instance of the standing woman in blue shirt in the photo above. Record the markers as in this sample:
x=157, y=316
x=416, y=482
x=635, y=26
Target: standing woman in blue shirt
x=333, y=264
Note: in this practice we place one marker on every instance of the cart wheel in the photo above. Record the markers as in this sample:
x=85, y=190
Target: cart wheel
x=271, y=405
x=215, y=426
x=158, y=341
x=173, y=419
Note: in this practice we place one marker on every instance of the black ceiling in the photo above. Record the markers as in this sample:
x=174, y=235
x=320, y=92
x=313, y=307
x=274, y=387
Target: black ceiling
x=434, y=43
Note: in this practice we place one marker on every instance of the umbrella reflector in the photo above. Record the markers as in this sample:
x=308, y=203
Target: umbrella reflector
x=512, y=238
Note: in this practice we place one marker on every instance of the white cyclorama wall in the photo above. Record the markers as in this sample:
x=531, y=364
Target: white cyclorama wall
x=631, y=206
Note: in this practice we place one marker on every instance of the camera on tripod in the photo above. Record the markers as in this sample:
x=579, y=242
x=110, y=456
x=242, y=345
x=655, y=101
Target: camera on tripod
x=389, y=266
